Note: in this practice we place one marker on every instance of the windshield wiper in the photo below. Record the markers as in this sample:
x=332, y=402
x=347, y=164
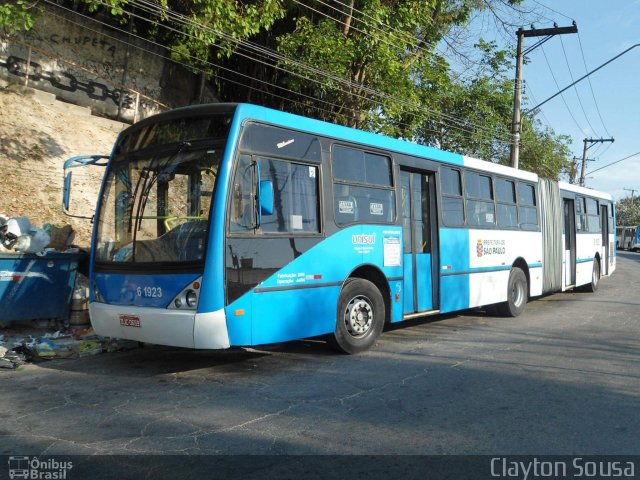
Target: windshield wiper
x=147, y=185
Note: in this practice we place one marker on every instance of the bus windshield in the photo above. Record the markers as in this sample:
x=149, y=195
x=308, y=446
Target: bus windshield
x=156, y=200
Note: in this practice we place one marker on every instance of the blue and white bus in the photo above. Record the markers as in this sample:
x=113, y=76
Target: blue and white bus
x=628, y=238
x=237, y=225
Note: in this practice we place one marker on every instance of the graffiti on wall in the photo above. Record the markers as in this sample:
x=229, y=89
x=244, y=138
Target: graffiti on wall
x=83, y=41
x=66, y=81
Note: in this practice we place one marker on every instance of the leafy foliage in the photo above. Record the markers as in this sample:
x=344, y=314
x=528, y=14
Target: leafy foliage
x=16, y=16
x=370, y=64
x=628, y=211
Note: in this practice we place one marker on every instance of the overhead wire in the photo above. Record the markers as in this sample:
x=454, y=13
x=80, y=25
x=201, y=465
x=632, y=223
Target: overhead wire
x=613, y=163
x=591, y=88
x=362, y=13
x=461, y=124
x=575, y=88
x=562, y=96
x=551, y=9
x=188, y=66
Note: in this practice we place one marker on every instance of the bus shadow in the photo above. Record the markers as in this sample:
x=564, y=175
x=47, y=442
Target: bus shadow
x=155, y=360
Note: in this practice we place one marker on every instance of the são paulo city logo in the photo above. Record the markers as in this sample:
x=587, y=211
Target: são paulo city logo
x=490, y=247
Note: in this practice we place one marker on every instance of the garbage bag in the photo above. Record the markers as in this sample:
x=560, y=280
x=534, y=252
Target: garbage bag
x=18, y=226
x=34, y=242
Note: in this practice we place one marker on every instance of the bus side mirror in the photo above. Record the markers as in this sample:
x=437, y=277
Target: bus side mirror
x=76, y=162
x=266, y=197
x=66, y=192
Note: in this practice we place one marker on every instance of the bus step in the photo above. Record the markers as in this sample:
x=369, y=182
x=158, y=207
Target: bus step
x=421, y=314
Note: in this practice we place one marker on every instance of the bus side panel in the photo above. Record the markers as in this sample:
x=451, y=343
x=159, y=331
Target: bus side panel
x=612, y=253
x=454, y=269
x=238, y=316
x=587, y=245
x=300, y=300
x=290, y=314
x=493, y=253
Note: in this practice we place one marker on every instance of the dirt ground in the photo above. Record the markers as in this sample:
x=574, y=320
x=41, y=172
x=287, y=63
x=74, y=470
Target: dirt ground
x=37, y=134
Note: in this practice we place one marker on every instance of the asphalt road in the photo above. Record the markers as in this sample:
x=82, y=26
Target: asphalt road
x=561, y=379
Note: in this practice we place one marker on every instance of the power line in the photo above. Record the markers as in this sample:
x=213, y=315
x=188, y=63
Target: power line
x=203, y=61
x=483, y=137
x=551, y=9
x=316, y=71
x=586, y=69
x=613, y=163
x=562, y=96
x=566, y=59
x=456, y=122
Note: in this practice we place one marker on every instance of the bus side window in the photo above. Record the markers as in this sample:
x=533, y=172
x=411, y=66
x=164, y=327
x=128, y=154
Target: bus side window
x=480, y=206
x=296, y=200
x=527, y=212
x=506, y=203
x=452, y=202
x=242, y=209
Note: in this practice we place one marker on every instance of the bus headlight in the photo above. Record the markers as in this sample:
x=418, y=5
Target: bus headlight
x=192, y=299
x=187, y=299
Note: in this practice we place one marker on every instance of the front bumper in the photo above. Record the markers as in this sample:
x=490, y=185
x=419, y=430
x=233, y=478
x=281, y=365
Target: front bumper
x=161, y=326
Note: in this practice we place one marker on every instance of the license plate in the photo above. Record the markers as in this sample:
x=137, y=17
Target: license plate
x=129, y=320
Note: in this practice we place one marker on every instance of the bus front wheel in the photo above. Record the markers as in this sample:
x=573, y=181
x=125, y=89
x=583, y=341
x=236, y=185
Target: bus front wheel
x=360, y=316
x=517, y=293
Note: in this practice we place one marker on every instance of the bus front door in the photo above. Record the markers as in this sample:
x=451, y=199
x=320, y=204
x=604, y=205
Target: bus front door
x=569, y=243
x=418, y=232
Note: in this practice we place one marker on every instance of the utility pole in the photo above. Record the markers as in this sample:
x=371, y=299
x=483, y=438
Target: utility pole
x=591, y=141
x=573, y=178
x=516, y=125
x=632, y=190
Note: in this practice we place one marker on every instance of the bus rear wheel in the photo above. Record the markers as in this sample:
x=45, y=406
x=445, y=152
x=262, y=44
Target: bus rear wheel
x=517, y=293
x=595, y=277
x=360, y=319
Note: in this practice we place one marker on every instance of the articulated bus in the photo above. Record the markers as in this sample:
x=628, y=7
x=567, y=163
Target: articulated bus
x=237, y=225
x=628, y=238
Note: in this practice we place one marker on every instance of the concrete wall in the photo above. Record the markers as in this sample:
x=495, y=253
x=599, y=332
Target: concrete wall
x=83, y=62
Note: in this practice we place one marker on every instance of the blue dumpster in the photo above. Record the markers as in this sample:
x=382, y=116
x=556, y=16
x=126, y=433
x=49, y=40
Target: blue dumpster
x=37, y=287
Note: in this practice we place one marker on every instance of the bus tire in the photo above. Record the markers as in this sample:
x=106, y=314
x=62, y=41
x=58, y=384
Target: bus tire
x=361, y=315
x=595, y=277
x=517, y=294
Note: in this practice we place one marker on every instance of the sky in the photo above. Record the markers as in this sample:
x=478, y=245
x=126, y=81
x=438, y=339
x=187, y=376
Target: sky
x=605, y=29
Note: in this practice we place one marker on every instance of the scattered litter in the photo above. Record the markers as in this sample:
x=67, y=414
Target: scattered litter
x=67, y=342
x=6, y=363
x=90, y=347
x=18, y=235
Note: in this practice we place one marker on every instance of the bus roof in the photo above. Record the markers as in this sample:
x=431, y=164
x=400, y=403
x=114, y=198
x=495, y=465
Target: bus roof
x=245, y=111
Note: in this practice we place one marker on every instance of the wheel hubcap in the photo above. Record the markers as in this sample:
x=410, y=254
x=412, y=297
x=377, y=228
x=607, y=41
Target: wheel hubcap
x=517, y=294
x=358, y=316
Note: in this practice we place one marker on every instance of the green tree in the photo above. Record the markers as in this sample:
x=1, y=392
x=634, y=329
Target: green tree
x=542, y=151
x=628, y=211
x=16, y=16
x=369, y=64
